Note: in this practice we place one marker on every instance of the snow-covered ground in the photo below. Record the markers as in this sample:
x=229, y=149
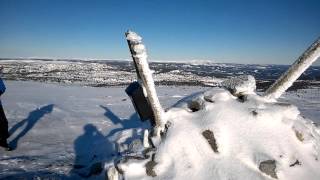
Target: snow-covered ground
x=56, y=128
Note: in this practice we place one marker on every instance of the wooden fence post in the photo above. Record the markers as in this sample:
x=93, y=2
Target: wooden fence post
x=139, y=56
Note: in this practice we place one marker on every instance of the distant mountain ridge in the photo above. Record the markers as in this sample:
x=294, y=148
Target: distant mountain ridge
x=122, y=72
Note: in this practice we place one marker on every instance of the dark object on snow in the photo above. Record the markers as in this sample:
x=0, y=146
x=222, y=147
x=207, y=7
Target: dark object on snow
x=211, y=140
x=4, y=133
x=2, y=87
x=5, y=145
x=297, y=162
x=269, y=167
x=140, y=102
x=196, y=104
x=254, y=113
x=149, y=168
x=242, y=98
x=299, y=135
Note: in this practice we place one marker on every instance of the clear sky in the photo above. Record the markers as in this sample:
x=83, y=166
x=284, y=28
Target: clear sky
x=248, y=31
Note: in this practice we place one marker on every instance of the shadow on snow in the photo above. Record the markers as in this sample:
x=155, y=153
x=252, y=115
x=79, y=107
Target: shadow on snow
x=29, y=123
x=93, y=149
x=133, y=121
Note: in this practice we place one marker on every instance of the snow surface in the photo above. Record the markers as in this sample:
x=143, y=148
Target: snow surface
x=247, y=134
x=47, y=123
x=52, y=123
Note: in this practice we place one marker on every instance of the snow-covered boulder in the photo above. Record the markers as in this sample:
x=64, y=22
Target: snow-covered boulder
x=245, y=84
x=229, y=139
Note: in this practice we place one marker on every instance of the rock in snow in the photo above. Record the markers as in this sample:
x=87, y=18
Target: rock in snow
x=245, y=84
x=229, y=139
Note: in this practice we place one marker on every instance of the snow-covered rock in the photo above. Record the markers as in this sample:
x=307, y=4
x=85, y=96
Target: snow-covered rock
x=245, y=84
x=231, y=139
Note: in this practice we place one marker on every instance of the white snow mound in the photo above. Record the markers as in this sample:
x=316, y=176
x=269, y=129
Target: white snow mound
x=226, y=138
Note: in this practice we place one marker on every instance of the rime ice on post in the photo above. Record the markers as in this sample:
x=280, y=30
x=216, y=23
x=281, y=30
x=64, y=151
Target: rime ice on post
x=293, y=73
x=139, y=55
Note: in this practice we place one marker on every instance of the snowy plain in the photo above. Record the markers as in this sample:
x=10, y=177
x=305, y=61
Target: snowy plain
x=47, y=124
x=48, y=121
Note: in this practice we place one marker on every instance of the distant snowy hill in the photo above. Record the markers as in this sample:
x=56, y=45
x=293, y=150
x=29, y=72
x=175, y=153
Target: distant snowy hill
x=111, y=73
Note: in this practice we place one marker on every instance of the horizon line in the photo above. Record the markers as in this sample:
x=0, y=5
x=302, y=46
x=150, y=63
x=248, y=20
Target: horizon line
x=201, y=61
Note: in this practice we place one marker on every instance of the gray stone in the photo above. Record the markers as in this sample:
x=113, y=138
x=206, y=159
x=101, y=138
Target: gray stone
x=240, y=85
x=269, y=167
x=149, y=168
x=196, y=104
x=299, y=135
x=211, y=140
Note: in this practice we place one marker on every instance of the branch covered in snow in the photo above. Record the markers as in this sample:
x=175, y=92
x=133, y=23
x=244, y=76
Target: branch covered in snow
x=293, y=73
x=139, y=55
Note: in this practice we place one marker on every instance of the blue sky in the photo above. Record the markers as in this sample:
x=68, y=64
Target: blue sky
x=248, y=31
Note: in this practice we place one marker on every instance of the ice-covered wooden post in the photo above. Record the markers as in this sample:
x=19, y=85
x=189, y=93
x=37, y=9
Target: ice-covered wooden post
x=294, y=72
x=139, y=55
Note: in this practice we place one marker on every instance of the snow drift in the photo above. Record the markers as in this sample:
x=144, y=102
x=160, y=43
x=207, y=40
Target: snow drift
x=219, y=135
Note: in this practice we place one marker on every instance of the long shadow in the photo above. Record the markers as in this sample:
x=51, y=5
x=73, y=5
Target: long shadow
x=133, y=122
x=30, y=121
x=92, y=149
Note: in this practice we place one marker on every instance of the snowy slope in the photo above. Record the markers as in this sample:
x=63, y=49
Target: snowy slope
x=54, y=125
